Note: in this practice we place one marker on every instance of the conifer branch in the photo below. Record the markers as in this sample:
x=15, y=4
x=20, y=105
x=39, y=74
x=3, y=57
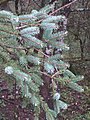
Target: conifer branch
x=55, y=11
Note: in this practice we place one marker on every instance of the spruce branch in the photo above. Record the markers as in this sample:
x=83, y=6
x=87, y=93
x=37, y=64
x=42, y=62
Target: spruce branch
x=55, y=11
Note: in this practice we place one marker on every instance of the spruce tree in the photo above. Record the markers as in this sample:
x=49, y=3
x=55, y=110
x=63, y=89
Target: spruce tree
x=33, y=45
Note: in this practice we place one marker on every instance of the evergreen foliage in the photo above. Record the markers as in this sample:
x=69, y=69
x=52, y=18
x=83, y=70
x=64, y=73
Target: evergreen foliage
x=47, y=38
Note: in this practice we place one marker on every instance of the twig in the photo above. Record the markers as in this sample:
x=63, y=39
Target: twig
x=58, y=72
x=41, y=52
x=63, y=7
